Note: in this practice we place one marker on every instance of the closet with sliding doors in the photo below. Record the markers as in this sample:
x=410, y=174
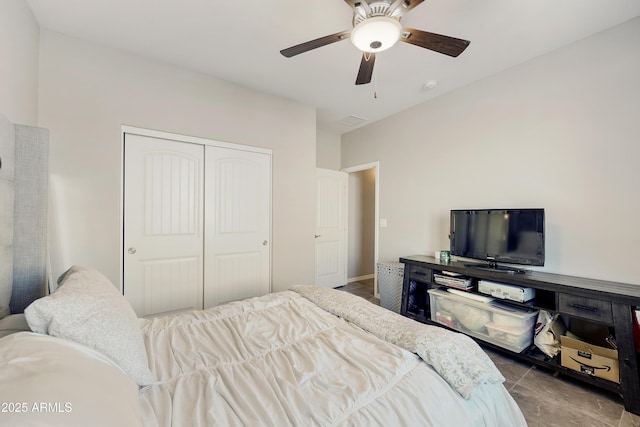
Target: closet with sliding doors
x=196, y=222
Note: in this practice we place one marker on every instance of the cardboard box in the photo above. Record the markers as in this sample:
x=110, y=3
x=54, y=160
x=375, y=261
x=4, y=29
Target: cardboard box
x=590, y=359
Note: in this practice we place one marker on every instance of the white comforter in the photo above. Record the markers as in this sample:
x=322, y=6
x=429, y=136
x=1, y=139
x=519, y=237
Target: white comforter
x=280, y=360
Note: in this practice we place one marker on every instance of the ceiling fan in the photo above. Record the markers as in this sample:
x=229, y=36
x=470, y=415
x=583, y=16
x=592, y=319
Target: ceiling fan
x=376, y=27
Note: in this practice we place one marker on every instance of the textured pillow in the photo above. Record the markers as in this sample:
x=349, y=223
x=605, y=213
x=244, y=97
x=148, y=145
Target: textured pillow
x=52, y=382
x=87, y=308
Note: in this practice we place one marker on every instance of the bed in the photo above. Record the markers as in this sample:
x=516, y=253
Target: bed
x=309, y=356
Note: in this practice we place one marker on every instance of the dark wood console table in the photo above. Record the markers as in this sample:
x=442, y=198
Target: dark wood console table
x=598, y=301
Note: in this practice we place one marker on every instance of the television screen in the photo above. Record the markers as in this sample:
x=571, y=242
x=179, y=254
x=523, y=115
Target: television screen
x=513, y=236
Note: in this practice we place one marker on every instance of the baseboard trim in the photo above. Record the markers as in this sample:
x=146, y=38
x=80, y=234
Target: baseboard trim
x=357, y=279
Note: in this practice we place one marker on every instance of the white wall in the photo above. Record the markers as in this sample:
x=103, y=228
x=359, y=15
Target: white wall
x=560, y=132
x=87, y=92
x=327, y=150
x=19, y=38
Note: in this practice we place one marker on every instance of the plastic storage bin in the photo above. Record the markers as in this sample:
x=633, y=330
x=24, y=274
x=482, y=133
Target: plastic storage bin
x=390, y=276
x=513, y=337
x=510, y=328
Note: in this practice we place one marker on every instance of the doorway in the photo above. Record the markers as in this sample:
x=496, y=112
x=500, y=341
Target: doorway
x=363, y=224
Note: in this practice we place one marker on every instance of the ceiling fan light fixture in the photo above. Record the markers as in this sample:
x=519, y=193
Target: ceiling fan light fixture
x=376, y=34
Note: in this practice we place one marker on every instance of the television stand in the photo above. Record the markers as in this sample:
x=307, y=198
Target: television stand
x=600, y=302
x=493, y=266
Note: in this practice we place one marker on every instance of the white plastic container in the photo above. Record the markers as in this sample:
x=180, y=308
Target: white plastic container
x=511, y=329
x=515, y=339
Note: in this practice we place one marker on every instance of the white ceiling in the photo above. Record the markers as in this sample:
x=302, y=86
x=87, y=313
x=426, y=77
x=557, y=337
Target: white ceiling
x=240, y=41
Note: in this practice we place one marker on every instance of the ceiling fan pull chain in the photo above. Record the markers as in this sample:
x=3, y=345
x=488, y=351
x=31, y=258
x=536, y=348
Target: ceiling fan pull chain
x=375, y=83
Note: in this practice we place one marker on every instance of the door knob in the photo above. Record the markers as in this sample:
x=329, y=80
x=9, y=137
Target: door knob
x=131, y=250
x=318, y=235
x=265, y=243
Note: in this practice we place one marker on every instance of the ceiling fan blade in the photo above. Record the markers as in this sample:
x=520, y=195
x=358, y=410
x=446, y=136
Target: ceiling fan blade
x=314, y=44
x=404, y=6
x=443, y=44
x=366, y=68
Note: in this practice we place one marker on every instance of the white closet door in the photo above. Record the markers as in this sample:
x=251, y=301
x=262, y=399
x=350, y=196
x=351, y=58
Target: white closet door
x=237, y=225
x=163, y=224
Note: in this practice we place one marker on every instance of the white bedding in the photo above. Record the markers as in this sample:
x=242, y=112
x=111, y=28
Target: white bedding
x=280, y=360
x=53, y=382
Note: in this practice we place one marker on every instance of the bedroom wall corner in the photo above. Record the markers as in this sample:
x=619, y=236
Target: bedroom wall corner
x=327, y=149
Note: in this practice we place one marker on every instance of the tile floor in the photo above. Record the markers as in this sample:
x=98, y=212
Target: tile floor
x=545, y=400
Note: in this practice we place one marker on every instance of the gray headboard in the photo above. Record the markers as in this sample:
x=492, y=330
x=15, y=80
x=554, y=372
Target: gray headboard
x=24, y=181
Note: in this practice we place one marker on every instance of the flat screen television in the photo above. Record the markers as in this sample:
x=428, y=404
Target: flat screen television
x=512, y=236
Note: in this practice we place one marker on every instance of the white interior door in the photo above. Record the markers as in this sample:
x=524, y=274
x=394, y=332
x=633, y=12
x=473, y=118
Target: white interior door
x=331, y=228
x=237, y=225
x=163, y=224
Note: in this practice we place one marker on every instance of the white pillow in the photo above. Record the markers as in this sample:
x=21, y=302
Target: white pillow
x=87, y=308
x=47, y=381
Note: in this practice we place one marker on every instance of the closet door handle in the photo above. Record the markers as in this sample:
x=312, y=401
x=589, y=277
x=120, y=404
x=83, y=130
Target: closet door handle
x=132, y=250
x=265, y=243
